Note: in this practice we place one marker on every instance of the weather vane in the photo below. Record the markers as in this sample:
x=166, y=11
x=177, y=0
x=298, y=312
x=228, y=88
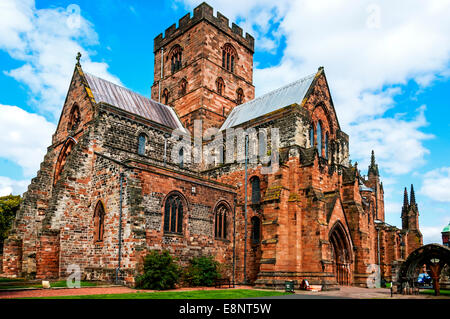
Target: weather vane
x=78, y=58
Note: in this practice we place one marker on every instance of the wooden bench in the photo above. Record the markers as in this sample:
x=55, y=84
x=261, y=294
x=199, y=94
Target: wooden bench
x=222, y=282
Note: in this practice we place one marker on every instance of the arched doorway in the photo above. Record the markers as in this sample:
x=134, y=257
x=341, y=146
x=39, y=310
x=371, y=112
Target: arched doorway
x=341, y=254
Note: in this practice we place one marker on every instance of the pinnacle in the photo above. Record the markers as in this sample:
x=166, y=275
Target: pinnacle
x=413, y=196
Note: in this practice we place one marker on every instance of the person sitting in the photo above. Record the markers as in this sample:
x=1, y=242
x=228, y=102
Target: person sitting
x=304, y=285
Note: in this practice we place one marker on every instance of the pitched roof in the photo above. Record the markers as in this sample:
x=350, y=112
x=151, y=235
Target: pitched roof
x=269, y=102
x=123, y=98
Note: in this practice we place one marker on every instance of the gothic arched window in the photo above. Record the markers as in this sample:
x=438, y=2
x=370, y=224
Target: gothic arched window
x=183, y=87
x=141, y=144
x=220, y=216
x=74, y=118
x=239, y=96
x=220, y=86
x=319, y=139
x=173, y=214
x=62, y=158
x=326, y=145
x=256, y=230
x=311, y=136
x=176, y=58
x=165, y=96
x=229, y=57
x=99, y=221
x=256, y=190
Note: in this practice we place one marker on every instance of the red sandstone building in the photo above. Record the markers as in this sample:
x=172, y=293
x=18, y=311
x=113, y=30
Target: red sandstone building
x=110, y=165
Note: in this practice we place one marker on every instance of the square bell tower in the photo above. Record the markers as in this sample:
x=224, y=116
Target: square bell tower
x=203, y=68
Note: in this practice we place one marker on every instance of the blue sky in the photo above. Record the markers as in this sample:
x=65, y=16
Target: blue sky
x=387, y=63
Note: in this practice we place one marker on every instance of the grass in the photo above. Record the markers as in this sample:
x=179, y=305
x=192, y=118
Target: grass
x=196, y=294
x=11, y=280
x=431, y=292
x=15, y=284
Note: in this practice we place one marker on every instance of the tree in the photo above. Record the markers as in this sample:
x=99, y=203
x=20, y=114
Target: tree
x=9, y=205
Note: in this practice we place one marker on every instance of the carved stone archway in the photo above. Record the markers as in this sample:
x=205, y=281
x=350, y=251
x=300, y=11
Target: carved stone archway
x=341, y=254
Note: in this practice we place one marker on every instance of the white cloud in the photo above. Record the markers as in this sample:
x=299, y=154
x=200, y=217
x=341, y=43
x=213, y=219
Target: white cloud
x=369, y=50
x=431, y=234
x=9, y=186
x=25, y=137
x=47, y=41
x=392, y=208
x=397, y=142
x=436, y=184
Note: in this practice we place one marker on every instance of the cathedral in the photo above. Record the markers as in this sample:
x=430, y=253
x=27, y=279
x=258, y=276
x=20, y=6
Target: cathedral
x=126, y=174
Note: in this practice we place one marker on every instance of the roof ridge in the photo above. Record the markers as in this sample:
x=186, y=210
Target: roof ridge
x=124, y=98
x=124, y=87
x=277, y=90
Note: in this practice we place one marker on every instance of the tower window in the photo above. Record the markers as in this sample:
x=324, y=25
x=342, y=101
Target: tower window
x=176, y=58
x=256, y=190
x=183, y=87
x=165, y=96
x=173, y=214
x=239, y=96
x=220, y=86
x=229, y=57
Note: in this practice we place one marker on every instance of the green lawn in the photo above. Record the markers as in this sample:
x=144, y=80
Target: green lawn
x=196, y=294
x=16, y=284
x=431, y=292
x=11, y=280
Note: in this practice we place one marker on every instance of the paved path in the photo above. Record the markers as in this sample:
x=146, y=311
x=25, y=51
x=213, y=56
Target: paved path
x=89, y=291
x=358, y=293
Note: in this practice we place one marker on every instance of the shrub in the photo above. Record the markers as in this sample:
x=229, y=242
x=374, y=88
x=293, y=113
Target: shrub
x=160, y=271
x=202, y=271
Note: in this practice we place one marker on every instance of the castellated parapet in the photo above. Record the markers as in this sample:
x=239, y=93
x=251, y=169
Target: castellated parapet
x=204, y=12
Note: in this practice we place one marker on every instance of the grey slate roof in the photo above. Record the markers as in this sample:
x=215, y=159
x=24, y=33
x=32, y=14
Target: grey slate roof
x=269, y=102
x=123, y=98
x=364, y=188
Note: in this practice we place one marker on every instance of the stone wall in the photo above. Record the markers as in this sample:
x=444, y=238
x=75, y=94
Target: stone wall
x=47, y=256
x=12, y=257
